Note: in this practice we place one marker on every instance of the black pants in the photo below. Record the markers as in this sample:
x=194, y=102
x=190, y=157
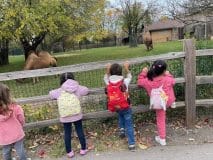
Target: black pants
x=68, y=132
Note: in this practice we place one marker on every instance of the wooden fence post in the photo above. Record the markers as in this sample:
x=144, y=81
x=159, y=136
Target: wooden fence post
x=190, y=82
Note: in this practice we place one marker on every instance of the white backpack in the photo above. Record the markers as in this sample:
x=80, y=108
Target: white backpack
x=68, y=104
x=158, y=98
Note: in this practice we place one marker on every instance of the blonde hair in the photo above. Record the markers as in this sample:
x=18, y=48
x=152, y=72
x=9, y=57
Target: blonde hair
x=5, y=99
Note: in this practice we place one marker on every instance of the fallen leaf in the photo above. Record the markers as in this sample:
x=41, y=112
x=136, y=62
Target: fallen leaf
x=198, y=127
x=147, y=130
x=206, y=120
x=91, y=147
x=142, y=146
x=41, y=153
x=79, y=146
x=34, y=146
x=191, y=139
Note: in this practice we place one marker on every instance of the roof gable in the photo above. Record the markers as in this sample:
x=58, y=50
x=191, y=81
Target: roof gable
x=165, y=24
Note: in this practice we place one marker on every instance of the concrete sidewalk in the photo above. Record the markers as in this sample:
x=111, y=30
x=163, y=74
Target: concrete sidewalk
x=185, y=152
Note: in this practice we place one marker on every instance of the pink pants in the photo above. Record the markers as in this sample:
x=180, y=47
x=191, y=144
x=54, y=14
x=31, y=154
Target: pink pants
x=161, y=123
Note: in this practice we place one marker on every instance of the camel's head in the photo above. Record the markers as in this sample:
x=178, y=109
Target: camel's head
x=53, y=62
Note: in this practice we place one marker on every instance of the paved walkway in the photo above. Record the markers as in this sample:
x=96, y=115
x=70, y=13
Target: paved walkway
x=186, y=152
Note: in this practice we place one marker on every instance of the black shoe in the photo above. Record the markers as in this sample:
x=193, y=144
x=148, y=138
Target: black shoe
x=122, y=135
x=132, y=148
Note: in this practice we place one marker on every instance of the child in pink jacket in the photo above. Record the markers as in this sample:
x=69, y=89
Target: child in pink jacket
x=11, y=125
x=156, y=77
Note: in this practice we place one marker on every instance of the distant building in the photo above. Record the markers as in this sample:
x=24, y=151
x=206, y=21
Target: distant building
x=166, y=30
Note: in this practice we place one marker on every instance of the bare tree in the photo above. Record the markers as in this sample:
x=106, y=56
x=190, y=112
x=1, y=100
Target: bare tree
x=187, y=10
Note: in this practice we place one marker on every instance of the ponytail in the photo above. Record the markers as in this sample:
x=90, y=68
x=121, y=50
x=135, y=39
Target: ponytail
x=157, y=68
x=151, y=74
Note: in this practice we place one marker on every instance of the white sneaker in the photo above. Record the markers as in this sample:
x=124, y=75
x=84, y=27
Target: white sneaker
x=162, y=142
x=173, y=105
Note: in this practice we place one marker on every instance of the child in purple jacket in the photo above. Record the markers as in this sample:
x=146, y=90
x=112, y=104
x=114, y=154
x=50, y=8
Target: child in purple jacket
x=71, y=86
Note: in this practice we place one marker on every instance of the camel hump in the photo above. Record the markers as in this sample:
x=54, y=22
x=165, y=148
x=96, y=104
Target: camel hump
x=44, y=54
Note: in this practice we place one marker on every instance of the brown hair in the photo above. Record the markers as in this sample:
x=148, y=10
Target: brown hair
x=116, y=69
x=5, y=99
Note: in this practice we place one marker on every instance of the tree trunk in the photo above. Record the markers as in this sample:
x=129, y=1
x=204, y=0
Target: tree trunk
x=79, y=45
x=133, y=37
x=32, y=44
x=4, y=50
x=115, y=40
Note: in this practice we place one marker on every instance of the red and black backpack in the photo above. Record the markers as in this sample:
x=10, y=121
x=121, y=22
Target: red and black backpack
x=117, y=96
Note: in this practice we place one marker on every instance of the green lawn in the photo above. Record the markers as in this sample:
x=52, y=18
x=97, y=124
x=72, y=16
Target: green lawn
x=107, y=53
x=97, y=54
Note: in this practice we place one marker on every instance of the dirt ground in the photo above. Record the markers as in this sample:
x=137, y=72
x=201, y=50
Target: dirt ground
x=105, y=139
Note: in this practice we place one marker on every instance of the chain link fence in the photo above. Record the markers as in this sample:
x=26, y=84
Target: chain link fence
x=94, y=79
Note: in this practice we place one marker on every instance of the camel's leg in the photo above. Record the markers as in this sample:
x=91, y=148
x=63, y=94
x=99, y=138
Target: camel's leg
x=147, y=47
x=151, y=47
x=37, y=79
x=34, y=80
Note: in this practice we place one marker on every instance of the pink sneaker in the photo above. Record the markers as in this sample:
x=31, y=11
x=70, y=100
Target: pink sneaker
x=71, y=154
x=83, y=152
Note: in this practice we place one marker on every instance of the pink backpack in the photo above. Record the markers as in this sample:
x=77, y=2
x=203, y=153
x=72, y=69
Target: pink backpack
x=158, y=98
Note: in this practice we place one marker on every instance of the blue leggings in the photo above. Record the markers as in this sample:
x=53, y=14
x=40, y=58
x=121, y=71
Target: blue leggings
x=68, y=132
x=19, y=147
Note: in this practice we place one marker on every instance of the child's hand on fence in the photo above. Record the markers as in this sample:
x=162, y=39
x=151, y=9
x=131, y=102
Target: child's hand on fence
x=126, y=66
x=108, y=68
x=145, y=69
x=167, y=72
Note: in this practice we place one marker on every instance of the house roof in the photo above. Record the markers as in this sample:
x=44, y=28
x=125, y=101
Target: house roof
x=165, y=24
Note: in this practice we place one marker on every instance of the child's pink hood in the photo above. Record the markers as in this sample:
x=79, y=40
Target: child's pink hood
x=4, y=117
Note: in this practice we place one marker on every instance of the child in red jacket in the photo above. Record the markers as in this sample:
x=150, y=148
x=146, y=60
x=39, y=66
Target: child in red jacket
x=154, y=78
x=117, y=93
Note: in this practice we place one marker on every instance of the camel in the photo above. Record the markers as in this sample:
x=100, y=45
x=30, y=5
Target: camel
x=147, y=40
x=39, y=60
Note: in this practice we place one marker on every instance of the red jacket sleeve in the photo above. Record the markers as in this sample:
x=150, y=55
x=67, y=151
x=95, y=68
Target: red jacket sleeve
x=171, y=79
x=142, y=79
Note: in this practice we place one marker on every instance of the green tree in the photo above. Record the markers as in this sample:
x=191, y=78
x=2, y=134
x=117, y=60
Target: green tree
x=136, y=16
x=30, y=21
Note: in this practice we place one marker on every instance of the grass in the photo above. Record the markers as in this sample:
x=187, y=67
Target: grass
x=99, y=54
x=107, y=53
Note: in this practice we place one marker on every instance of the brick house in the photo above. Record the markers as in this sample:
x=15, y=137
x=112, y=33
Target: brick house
x=166, y=30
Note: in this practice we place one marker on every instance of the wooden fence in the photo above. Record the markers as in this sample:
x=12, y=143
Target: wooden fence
x=190, y=79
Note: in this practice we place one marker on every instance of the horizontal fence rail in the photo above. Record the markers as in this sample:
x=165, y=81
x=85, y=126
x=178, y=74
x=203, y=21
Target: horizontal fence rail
x=94, y=65
x=107, y=114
